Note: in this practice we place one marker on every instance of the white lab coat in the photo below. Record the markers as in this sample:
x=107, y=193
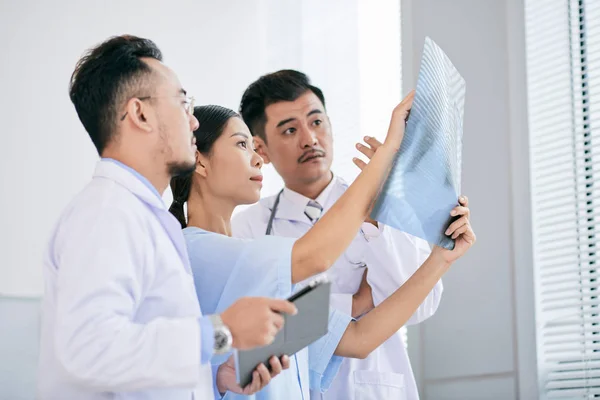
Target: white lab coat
x=392, y=257
x=120, y=312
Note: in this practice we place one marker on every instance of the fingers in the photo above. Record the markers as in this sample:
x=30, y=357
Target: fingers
x=265, y=376
x=282, y=306
x=269, y=336
x=359, y=163
x=469, y=236
x=371, y=141
x=461, y=211
x=276, y=366
x=401, y=111
x=368, y=151
x=397, y=124
x=278, y=321
x=456, y=224
x=406, y=102
x=460, y=231
x=285, y=362
x=461, y=226
x=253, y=386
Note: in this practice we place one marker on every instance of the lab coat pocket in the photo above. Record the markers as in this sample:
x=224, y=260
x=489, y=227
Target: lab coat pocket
x=375, y=385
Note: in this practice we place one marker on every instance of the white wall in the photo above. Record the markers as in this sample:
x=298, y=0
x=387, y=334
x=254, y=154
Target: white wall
x=217, y=48
x=48, y=156
x=481, y=343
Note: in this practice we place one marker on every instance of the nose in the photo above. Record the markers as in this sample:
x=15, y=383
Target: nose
x=194, y=124
x=308, y=138
x=257, y=161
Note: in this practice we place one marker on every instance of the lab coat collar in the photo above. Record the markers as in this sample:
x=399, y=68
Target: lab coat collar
x=143, y=190
x=131, y=180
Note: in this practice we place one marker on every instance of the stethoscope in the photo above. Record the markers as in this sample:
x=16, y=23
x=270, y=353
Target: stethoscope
x=269, y=230
x=273, y=212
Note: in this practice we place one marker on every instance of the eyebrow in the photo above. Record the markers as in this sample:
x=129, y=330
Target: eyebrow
x=240, y=134
x=312, y=112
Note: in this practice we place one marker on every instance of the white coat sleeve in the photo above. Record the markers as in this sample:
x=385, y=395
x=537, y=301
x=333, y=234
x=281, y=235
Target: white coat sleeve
x=392, y=258
x=341, y=302
x=102, y=265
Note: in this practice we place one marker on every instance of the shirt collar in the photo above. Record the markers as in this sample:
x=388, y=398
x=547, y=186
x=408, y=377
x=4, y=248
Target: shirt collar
x=301, y=201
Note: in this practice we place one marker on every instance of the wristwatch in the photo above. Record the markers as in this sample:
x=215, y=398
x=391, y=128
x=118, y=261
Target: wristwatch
x=222, y=334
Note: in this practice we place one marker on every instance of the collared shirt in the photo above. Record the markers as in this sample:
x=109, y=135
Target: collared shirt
x=368, y=230
x=301, y=201
x=120, y=312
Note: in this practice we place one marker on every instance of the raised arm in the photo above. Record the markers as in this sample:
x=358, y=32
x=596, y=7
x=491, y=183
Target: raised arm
x=318, y=249
x=368, y=333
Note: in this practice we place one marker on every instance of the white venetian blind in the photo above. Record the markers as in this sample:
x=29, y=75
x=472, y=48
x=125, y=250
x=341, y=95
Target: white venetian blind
x=563, y=71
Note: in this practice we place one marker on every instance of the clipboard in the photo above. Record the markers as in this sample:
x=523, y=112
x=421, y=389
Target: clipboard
x=307, y=326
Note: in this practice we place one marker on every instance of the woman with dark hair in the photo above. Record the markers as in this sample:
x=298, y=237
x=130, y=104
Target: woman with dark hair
x=228, y=174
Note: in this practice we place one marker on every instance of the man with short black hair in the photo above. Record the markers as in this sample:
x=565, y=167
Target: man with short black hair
x=286, y=114
x=120, y=313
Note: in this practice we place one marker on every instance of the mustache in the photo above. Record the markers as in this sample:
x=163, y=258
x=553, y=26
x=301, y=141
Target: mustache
x=310, y=154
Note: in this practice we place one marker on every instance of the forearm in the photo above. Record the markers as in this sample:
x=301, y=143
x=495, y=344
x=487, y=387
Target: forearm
x=318, y=249
x=429, y=306
x=368, y=333
x=393, y=258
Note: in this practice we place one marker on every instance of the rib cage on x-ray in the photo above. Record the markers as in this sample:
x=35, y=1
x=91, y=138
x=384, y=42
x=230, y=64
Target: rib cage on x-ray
x=424, y=184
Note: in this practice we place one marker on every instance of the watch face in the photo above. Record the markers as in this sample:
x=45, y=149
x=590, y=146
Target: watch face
x=220, y=340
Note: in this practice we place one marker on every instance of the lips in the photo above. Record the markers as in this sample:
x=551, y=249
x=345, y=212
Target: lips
x=257, y=178
x=311, y=155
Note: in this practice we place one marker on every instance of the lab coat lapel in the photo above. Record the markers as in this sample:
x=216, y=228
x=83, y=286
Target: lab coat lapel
x=126, y=179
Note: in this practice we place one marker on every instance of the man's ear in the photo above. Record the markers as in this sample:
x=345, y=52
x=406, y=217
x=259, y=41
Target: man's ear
x=261, y=149
x=138, y=112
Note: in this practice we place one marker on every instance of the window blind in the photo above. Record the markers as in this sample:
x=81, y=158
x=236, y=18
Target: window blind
x=563, y=74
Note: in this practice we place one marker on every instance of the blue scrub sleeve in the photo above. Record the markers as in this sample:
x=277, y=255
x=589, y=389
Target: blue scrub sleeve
x=323, y=364
x=207, y=339
x=263, y=268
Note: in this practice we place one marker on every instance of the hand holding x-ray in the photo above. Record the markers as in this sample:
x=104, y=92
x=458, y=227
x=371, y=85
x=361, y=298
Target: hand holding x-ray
x=425, y=180
x=460, y=230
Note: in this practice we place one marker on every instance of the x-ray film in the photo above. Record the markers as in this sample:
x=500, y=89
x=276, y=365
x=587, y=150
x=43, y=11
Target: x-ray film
x=424, y=184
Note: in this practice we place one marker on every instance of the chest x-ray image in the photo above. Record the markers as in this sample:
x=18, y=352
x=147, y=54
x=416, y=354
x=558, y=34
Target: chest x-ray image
x=424, y=184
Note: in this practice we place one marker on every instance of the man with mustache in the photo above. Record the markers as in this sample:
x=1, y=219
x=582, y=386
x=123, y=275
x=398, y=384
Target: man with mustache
x=288, y=119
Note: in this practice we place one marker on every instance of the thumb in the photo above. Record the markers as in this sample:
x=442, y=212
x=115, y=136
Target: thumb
x=282, y=306
x=398, y=123
x=231, y=362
